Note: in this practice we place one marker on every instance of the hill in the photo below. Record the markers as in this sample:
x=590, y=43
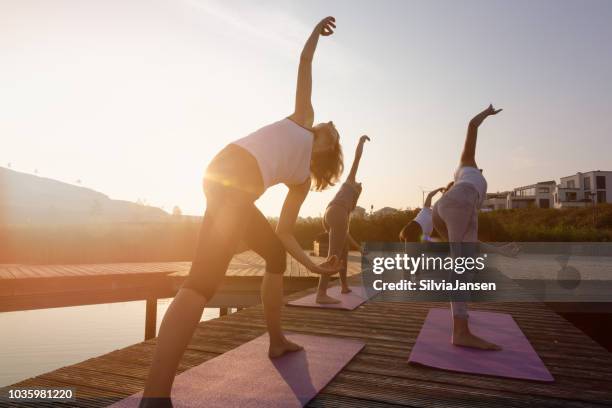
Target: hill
x=30, y=199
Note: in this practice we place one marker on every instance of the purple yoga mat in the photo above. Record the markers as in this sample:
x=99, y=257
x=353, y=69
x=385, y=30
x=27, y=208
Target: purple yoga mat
x=348, y=301
x=518, y=359
x=246, y=378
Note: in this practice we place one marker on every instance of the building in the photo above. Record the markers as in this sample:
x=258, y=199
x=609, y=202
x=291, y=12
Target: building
x=495, y=201
x=539, y=195
x=583, y=189
x=579, y=190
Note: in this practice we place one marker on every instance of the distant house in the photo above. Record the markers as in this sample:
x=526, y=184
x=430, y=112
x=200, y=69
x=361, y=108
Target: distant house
x=581, y=189
x=495, y=201
x=539, y=195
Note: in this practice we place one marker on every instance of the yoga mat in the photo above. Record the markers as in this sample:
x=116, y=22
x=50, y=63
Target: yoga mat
x=349, y=301
x=518, y=359
x=246, y=378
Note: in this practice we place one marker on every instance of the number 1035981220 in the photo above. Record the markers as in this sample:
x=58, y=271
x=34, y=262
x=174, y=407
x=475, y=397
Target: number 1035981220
x=37, y=394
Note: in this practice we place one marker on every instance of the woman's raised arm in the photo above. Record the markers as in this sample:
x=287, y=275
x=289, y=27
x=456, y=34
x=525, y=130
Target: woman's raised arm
x=431, y=195
x=358, y=152
x=304, y=113
x=468, y=156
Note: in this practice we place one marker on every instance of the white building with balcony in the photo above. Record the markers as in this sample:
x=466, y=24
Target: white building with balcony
x=539, y=195
x=495, y=201
x=583, y=189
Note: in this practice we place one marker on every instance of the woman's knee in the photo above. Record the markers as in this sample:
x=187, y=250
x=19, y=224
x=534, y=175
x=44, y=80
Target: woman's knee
x=203, y=287
x=276, y=261
x=207, y=272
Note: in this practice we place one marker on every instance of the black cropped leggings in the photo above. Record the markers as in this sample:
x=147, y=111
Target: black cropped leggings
x=231, y=218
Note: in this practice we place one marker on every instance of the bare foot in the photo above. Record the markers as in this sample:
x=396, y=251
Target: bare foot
x=284, y=347
x=467, y=339
x=346, y=290
x=326, y=300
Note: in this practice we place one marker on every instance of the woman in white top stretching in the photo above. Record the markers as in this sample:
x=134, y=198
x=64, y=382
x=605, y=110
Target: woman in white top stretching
x=291, y=151
x=420, y=228
x=455, y=217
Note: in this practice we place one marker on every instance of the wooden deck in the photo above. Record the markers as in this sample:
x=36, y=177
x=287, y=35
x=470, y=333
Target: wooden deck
x=26, y=287
x=244, y=264
x=379, y=376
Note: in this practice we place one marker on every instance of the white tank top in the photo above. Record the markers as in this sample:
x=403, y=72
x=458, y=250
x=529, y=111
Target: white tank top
x=473, y=176
x=282, y=150
x=425, y=219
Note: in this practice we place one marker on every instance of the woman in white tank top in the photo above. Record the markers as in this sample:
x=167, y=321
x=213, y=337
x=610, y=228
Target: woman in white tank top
x=290, y=151
x=455, y=218
x=419, y=229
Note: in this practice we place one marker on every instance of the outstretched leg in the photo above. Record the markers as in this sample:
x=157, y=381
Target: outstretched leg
x=272, y=299
x=175, y=332
x=262, y=239
x=461, y=225
x=220, y=231
x=336, y=219
x=343, y=271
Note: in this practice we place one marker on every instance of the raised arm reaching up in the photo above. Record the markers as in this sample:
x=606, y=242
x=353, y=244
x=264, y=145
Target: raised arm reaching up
x=358, y=153
x=431, y=195
x=468, y=156
x=304, y=113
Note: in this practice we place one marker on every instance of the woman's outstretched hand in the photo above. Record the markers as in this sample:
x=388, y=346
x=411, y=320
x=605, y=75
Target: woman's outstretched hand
x=326, y=26
x=362, y=141
x=478, y=119
x=431, y=195
x=331, y=266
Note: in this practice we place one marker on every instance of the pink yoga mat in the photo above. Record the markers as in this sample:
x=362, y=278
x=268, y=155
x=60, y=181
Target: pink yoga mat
x=349, y=301
x=517, y=359
x=246, y=378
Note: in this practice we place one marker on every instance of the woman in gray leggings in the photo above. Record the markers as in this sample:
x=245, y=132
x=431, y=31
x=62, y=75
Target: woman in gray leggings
x=336, y=223
x=455, y=217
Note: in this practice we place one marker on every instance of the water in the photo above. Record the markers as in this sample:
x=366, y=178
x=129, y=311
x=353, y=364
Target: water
x=34, y=342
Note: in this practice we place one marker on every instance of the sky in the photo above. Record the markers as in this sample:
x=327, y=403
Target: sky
x=134, y=97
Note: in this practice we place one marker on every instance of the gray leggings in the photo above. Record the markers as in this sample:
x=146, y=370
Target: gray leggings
x=455, y=217
x=336, y=223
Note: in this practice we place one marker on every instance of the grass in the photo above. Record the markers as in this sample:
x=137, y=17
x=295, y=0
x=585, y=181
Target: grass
x=176, y=240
